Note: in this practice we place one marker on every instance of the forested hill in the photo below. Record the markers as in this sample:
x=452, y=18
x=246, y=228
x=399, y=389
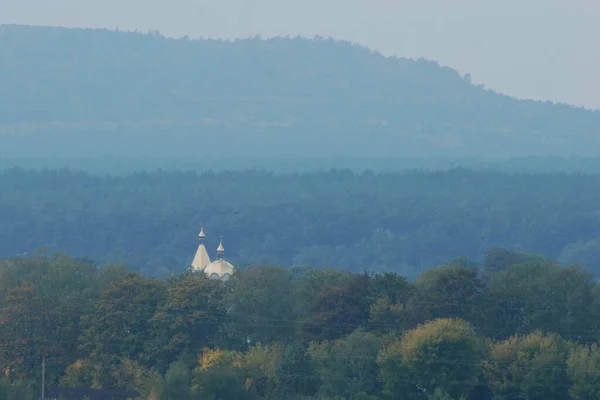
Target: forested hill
x=82, y=92
x=401, y=222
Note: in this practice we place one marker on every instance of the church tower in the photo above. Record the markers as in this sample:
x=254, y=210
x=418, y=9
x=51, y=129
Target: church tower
x=201, y=259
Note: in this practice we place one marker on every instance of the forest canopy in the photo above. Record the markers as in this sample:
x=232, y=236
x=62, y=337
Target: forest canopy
x=524, y=329
x=402, y=222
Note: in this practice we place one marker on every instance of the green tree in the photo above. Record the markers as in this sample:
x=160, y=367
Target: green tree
x=261, y=363
x=439, y=394
x=443, y=354
x=583, y=369
x=310, y=282
x=43, y=301
x=348, y=366
x=110, y=372
x=17, y=389
x=295, y=373
x=82, y=373
x=260, y=307
x=393, y=286
x=190, y=318
x=385, y=316
x=498, y=259
x=21, y=331
x=531, y=367
x=177, y=381
x=338, y=311
x=219, y=375
x=446, y=291
x=120, y=324
x=538, y=296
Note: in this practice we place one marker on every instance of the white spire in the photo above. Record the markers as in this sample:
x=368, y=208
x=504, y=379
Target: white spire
x=219, y=269
x=220, y=249
x=201, y=259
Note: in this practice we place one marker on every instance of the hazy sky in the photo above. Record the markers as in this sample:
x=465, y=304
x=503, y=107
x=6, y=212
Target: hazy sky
x=540, y=49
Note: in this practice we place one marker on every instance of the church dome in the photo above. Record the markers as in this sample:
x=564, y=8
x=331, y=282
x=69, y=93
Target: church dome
x=219, y=269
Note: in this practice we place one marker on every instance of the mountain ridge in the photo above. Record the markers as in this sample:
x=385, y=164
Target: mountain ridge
x=77, y=91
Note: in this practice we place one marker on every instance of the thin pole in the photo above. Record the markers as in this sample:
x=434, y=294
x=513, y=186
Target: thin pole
x=43, y=376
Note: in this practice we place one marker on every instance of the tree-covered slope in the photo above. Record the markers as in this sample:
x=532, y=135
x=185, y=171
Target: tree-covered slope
x=403, y=222
x=89, y=92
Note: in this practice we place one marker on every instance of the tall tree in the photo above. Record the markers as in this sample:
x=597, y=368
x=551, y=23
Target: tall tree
x=295, y=373
x=120, y=324
x=338, y=311
x=583, y=369
x=538, y=296
x=22, y=332
x=442, y=354
x=260, y=307
x=446, y=291
x=530, y=367
x=190, y=318
x=219, y=375
x=41, y=312
x=348, y=366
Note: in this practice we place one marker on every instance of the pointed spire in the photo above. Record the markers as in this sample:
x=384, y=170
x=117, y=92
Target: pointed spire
x=201, y=259
x=220, y=249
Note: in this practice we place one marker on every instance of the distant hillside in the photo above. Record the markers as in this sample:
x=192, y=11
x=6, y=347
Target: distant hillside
x=83, y=92
x=401, y=222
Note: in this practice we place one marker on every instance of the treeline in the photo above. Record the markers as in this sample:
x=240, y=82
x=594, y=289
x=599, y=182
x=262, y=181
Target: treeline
x=124, y=166
x=517, y=328
x=403, y=222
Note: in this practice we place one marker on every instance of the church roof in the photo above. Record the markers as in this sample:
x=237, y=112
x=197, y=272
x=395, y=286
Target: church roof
x=220, y=268
x=201, y=259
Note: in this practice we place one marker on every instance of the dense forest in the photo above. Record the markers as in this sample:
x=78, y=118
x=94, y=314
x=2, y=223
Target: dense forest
x=402, y=222
x=124, y=165
x=512, y=329
x=86, y=92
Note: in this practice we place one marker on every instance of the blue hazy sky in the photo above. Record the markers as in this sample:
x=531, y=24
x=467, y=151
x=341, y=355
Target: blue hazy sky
x=539, y=49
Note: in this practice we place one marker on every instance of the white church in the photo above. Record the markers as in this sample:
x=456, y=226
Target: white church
x=218, y=269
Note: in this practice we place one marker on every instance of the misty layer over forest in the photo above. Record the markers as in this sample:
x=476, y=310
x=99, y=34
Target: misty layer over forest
x=402, y=222
x=84, y=92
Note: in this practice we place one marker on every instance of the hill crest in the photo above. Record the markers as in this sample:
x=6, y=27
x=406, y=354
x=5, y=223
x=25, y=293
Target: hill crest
x=91, y=92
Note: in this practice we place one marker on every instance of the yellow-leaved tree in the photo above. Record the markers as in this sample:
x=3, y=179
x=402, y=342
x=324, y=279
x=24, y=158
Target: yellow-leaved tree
x=443, y=355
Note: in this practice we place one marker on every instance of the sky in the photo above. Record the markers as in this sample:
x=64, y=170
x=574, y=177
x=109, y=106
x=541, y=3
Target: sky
x=535, y=49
